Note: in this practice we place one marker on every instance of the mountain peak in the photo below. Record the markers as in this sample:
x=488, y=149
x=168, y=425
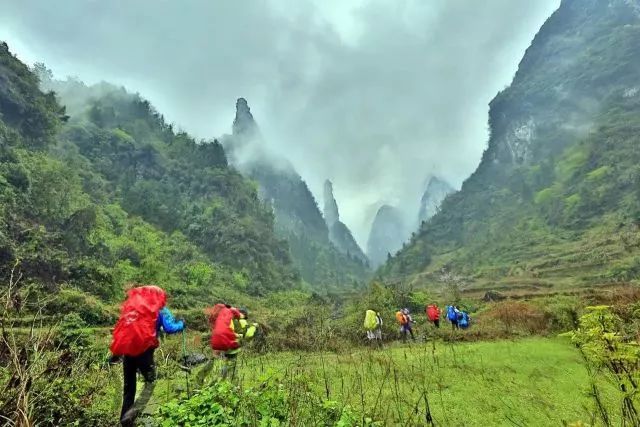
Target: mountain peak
x=387, y=234
x=339, y=233
x=435, y=192
x=244, y=123
x=331, y=213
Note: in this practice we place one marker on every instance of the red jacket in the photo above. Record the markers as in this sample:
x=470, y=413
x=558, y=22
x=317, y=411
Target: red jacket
x=223, y=338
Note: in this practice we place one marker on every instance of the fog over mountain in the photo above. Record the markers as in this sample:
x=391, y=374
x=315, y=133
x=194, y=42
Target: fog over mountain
x=373, y=95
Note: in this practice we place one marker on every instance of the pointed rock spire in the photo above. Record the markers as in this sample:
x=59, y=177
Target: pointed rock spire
x=243, y=124
x=331, y=214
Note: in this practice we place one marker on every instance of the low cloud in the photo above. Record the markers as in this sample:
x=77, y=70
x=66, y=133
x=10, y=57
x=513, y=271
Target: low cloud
x=374, y=95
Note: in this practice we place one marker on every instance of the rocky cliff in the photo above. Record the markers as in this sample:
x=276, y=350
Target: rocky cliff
x=558, y=183
x=435, y=192
x=339, y=233
x=388, y=232
x=297, y=216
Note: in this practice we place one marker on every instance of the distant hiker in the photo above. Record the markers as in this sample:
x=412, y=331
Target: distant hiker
x=373, y=326
x=452, y=315
x=405, y=320
x=230, y=329
x=464, y=320
x=135, y=337
x=433, y=314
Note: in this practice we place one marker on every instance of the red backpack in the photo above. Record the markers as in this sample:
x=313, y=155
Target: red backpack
x=223, y=338
x=136, y=330
x=433, y=313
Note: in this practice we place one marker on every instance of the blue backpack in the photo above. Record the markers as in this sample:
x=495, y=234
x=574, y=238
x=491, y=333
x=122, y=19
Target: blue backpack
x=464, y=321
x=451, y=313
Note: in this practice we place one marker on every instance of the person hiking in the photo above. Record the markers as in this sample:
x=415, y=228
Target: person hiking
x=230, y=329
x=433, y=314
x=406, y=325
x=373, y=326
x=135, y=338
x=452, y=315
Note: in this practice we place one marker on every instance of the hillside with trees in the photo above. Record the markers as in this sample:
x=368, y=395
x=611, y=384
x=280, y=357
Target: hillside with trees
x=555, y=201
x=106, y=192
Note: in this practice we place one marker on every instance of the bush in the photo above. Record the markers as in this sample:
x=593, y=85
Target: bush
x=73, y=333
x=561, y=311
x=88, y=308
x=269, y=404
x=519, y=316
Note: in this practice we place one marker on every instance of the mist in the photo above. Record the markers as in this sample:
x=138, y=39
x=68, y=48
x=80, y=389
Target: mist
x=374, y=95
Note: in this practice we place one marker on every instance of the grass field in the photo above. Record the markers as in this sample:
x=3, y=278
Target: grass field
x=534, y=381
x=528, y=382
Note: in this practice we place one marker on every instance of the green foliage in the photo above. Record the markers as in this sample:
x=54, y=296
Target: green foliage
x=36, y=116
x=533, y=381
x=568, y=186
x=116, y=196
x=269, y=404
x=601, y=339
x=599, y=173
x=545, y=196
x=72, y=332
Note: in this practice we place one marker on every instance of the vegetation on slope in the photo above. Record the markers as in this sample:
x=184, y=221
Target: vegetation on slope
x=113, y=195
x=555, y=198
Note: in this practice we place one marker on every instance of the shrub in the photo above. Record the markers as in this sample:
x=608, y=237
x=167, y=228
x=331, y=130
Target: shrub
x=601, y=339
x=560, y=311
x=88, y=308
x=269, y=404
x=516, y=315
x=72, y=332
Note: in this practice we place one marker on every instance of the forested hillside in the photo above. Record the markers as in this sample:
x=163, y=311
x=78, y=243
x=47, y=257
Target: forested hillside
x=107, y=193
x=555, y=200
x=321, y=262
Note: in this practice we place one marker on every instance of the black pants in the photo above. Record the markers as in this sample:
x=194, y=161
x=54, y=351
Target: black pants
x=131, y=365
x=436, y=323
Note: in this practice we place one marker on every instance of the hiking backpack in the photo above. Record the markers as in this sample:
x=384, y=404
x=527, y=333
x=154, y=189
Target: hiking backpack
x=401, y=318
x=451, y=313
x=433, y=313
x=464, y=320
x=136, y=329
x=223, y=337
x=212, y=313
x=370, y=320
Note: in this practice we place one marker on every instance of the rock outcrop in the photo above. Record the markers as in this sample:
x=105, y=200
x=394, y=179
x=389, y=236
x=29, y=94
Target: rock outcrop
x=388, y=233
x=297, y=216
x=434, y=193
x=339, y=233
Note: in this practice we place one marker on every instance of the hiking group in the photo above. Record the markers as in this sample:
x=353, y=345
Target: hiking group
x=458, y=318
x=143, y=316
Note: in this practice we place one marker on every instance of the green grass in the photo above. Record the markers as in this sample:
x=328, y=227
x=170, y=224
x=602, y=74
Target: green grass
x=529, y=382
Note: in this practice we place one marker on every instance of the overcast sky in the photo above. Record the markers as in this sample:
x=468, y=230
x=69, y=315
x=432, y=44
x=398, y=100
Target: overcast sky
x=375, y=95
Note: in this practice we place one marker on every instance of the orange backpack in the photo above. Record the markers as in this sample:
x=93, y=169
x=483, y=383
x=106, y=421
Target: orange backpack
x=401, y=318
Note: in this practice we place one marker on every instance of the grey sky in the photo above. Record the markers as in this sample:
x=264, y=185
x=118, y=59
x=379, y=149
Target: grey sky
x=374, y=95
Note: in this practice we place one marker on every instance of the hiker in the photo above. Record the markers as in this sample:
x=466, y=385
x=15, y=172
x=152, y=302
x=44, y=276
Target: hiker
x=464, y=320
x=453, y=313
x=230, y=330
x=135, y=339
x=405, y=320
x=373, y=326
x=433, y=314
